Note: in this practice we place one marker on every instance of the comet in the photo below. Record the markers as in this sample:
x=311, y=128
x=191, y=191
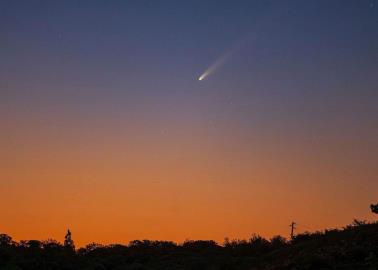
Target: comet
x=216, y=65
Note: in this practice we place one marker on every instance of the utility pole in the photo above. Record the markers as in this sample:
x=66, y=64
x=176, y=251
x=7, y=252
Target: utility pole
x=292, y=225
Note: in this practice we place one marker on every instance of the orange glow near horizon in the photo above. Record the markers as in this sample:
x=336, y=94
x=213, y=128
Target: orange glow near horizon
x=116, y=187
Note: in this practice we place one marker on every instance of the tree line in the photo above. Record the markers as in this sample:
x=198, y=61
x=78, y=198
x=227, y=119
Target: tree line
x=353, y=247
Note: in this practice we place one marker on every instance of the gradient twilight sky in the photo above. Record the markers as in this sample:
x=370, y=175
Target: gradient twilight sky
x=105, y=128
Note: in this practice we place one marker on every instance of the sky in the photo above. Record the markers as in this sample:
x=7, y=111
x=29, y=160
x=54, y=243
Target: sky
x=106, y=129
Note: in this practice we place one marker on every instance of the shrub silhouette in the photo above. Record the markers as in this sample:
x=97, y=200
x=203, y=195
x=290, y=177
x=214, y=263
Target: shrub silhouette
x=5, y=240
x=278, y=242
x=374, y=208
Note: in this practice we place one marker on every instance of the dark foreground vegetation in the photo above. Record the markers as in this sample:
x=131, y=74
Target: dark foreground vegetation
x=353, y=247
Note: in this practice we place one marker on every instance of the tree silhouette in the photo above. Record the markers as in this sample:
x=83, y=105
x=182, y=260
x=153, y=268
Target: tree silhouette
x=374, y=208
x=5, y=240
x=68, y=242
